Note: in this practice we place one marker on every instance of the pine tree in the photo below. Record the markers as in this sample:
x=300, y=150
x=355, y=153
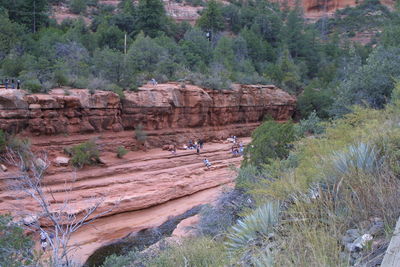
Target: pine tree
x=152, y=17
x=211, y=19
x=31, y=13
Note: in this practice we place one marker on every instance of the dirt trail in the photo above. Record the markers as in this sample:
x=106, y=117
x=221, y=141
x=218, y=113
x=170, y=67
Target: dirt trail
x=145, y=188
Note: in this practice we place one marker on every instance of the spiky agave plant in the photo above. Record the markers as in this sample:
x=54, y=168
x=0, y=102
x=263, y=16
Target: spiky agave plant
x=358, y=157
x=263, y=259
x=253, y=228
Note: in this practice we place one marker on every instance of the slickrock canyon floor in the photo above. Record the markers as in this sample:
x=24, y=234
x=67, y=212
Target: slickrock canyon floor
x=149, y=186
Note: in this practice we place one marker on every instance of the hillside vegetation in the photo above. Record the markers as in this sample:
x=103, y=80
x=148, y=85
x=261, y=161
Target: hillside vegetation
x=252, y=42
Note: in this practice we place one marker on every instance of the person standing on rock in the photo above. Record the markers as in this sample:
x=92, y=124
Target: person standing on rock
x=12, y=84
x=201, y=143
x=6, y=83
x=18, y=84
x=198, y=149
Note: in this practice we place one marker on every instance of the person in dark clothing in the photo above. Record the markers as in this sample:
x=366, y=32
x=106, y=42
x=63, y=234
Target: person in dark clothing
x=198, y=149
x=201, y=143
x=12, y=84
x=18, y=84
x=6, y=83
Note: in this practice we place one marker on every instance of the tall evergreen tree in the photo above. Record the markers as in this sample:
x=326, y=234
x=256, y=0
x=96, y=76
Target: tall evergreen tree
x=151, y=17
x=32, y=13
x=212, y=19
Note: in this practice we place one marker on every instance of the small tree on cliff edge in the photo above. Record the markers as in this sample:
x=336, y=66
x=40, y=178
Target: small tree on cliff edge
x=58, y=214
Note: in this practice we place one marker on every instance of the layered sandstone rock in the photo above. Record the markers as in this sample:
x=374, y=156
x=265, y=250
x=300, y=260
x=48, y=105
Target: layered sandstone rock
x=164, y=107
x=315, y=9
x=143, y=188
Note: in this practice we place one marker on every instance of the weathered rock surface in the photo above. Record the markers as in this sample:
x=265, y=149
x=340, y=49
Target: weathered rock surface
x=166, y=108
x=144, y=189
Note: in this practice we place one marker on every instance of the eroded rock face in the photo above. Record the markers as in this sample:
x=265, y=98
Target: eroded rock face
x=315, y=9
x=164, y=107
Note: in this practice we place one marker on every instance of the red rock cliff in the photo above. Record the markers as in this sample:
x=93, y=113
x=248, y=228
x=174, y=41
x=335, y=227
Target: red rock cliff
x=164, y=107
x=315, y=9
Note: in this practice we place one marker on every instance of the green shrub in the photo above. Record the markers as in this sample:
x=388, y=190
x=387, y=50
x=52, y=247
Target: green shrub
x=78, y=6
x=312, y=100
x=120, y=261
x=98, y=84
x=270, y=141
x=311, y=125
x=16, y=248
x=200, y=252
x=86, y=153
x=78, y=82
x=116, y=89
x=92, y=3
x=18, y=145
x=32, y=86
x=140, y=134
x=60, y=78
x=121, y=152
x=3, y=141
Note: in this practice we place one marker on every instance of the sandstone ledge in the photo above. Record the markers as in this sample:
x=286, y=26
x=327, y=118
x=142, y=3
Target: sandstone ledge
x=166, y=106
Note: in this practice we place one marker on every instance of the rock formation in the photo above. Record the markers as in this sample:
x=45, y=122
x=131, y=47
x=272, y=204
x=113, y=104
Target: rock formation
x=166, y=108
x=146, y=186
x=315, y=9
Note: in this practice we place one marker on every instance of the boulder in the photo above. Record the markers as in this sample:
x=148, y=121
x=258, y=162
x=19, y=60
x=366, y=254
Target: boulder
x=12, y=99
x=40, y=163
x=61, y=161
x=3, y=168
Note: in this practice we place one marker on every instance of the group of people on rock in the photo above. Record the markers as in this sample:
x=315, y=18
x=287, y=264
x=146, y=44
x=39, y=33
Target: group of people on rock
x=11, y=82
x=195, y=145
x=237, y=148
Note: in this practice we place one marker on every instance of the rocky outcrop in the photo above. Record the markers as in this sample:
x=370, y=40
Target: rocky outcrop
x=160, y=108
x=315, y=9
x=142, y=189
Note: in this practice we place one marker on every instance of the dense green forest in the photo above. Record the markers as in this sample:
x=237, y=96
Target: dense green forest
x=251, y=42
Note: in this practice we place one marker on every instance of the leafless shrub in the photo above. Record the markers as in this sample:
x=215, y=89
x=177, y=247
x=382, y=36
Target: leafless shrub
x=58, y=219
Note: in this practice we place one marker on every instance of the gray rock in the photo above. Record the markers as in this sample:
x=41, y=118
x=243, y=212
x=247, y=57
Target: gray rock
x=354, y=233
x=41, y=163
x=61, y=161
x=359, y=243
x=376, y=226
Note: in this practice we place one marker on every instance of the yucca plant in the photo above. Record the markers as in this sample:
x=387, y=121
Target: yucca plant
x=360, y=157
x=263, y=259
x=253, y=228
